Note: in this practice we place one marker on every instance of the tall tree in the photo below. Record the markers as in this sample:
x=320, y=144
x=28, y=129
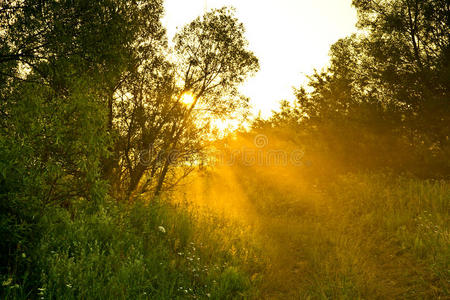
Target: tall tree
x=210, y=60
x=60, y=62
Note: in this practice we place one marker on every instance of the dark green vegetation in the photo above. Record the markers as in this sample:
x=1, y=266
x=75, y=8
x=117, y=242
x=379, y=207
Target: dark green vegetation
x=90, y=114
x=131, y=252
x=94, y=134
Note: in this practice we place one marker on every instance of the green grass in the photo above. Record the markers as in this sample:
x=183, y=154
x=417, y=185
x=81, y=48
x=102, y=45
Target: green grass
x=357, y=236
x=136, y=251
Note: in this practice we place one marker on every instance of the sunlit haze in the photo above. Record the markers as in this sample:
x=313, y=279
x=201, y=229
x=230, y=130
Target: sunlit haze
x=290, y=38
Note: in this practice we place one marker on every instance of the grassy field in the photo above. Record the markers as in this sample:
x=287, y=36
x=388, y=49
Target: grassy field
x=240, y=233
x=357, y=236
x=136, y=251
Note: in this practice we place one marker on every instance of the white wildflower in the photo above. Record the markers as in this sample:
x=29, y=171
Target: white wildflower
x=162, y=229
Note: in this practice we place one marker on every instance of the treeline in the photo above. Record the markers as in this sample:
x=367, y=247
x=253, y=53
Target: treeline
x=384, y=101
x=91, y=110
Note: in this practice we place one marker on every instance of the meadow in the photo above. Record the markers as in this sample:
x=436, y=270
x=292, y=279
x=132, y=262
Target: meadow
x=144, y=250
x=358, y=236
x=361, y=236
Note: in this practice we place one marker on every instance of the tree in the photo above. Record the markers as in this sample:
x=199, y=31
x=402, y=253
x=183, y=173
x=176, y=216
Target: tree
x=409, y=44
x=60, y=62
x=210, y=60
x=384, y=99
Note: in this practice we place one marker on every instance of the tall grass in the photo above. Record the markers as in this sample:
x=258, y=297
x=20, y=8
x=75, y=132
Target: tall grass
x=251, y=235
x=136, y=251
x=358, y=236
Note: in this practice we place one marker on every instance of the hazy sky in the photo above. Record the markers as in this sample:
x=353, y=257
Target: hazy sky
x=290, y=38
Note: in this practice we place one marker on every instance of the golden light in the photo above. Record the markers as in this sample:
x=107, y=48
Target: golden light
x=187, y=98
x=224, y=127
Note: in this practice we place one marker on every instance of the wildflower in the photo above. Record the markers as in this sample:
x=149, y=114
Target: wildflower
x=162, y=229
x=69, y=285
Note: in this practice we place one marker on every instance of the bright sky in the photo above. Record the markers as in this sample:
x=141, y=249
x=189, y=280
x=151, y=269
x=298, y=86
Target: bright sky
x=290, y=38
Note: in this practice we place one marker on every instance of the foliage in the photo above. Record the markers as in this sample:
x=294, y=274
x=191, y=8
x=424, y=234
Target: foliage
x=157, y=131
x=85, y=86
x=141, y=251
x=53, y=125
x=94, y=127
x=383, y=102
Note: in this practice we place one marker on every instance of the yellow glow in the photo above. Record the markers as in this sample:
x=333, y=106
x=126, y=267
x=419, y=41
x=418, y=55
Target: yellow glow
x=187, y=98
x=225, y=126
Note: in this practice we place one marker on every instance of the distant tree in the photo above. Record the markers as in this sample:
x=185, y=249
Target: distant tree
x=384, y=99
x=409, y=48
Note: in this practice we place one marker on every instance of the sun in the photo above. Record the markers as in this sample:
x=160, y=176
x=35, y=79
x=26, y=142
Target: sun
x=187, y=98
